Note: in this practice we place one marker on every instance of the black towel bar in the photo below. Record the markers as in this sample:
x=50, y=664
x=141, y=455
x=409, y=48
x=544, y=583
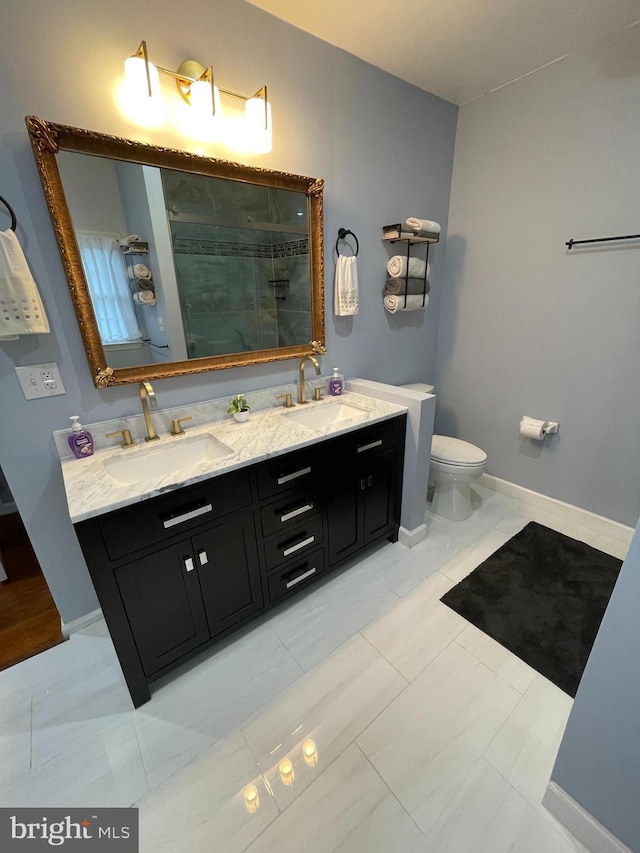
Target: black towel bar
x=573, y=242
x=14, y=221
x=342, y=233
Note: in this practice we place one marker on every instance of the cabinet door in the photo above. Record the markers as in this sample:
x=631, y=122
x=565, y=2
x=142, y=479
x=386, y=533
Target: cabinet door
x=344, y=521
x=378, y=497
x=162, y=600
x=227, y=558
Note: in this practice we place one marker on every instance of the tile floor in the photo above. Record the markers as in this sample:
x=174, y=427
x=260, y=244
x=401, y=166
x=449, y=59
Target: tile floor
x=429, y=736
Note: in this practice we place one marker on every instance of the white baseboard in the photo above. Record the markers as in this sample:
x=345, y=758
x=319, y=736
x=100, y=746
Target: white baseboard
x=69, y=628
x=597, y=523
x=580, y=822
x=410, y=538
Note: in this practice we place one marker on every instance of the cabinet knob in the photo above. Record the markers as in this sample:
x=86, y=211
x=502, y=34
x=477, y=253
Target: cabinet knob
x=188, y=564
x=202, y=556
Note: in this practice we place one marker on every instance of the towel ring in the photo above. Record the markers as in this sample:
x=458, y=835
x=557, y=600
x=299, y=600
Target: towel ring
x=342, y=233
x=14, y=221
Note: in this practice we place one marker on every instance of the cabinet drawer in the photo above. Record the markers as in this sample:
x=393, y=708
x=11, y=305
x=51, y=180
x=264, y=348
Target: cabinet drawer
x=292, y=578
x=288, y=511
x=290, y=471
x=155, y=520
x=370, y=440
x=293, y=542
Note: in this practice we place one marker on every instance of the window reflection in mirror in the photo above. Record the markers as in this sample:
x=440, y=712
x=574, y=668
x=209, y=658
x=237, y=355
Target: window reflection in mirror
x=226, y=271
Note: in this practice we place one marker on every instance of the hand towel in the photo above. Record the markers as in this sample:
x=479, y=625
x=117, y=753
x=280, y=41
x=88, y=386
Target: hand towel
x=139, y=271
x=397, y=267
x=144, y=297
x=412, y=286
x=21, y=309
x=346, y=286
x=395, y=303
x=427, y=226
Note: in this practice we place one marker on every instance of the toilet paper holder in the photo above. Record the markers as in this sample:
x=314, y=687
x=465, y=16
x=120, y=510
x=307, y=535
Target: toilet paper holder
x=537, y=429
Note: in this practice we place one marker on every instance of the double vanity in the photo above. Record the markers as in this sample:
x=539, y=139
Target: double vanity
x=190, y=537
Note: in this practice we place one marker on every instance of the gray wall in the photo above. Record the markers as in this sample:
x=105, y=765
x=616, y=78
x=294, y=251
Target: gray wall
x=384, y=148
x=527, y=327
x=599, y=758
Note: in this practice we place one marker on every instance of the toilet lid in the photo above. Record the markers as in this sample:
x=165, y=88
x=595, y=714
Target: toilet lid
x=455, y=451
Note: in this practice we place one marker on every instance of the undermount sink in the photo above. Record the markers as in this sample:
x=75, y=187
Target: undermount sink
x=320, y=415
x=135, y=466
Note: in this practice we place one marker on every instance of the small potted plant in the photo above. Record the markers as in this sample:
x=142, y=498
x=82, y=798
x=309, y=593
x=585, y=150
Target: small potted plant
x=239, y=408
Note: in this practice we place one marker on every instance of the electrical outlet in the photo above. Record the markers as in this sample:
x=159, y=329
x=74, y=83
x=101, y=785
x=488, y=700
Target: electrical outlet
x=40, y=380
x=161, y=324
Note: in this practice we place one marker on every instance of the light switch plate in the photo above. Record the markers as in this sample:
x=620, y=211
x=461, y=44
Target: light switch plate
x=40, y=380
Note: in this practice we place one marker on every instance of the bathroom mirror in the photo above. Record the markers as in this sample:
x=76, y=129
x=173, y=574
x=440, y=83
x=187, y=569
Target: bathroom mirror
x=179, y=264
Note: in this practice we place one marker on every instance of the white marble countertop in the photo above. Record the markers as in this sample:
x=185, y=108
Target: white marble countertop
x=91, y=491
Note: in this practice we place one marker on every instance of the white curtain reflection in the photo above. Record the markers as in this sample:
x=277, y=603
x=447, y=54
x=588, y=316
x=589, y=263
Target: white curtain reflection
x=106, y=273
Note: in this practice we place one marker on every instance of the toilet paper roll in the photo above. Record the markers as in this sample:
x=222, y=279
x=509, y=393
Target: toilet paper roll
x=532, y=428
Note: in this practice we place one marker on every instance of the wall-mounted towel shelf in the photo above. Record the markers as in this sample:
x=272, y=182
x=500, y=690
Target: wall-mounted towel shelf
x=573, y=242
x=410, y=240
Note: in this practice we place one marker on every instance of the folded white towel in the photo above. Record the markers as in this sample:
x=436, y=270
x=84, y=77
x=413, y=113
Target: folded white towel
x=144, y=297
x=397, y=267
x=395, y=303
x=21, y=309
x=346, y=299
x=407, y=285
x=427, y=226
x=139, y=271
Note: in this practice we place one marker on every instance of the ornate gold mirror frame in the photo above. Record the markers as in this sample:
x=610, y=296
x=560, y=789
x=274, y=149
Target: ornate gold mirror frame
x=48, y=138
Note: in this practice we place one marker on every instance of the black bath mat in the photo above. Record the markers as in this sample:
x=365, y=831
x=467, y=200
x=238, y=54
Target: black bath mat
x=542, y=595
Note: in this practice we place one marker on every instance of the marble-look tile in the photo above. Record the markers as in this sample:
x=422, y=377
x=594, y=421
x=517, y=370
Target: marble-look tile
x=330, y=705
x=202, y=808
x=165, y=746
x=525, y=748
x=503, y=662
x=348, y=808
x=314, y=626
x=217, y=691
x=103, y=770
x=463, y=563
x=416, y=630
x=425, y=744
x=15, y=741
x=74, y=709
x=487, y=814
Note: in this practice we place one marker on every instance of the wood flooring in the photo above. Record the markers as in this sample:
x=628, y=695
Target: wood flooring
x=29, y=619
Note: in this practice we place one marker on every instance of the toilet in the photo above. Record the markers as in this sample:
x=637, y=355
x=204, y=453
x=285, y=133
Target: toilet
x=454, y=466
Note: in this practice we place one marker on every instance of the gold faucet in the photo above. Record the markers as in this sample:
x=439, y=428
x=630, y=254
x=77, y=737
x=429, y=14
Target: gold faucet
x=147, y=396
x=302, y=398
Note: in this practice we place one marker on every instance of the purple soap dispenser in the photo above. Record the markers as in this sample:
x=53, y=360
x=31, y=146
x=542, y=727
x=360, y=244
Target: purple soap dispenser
x=80, y=440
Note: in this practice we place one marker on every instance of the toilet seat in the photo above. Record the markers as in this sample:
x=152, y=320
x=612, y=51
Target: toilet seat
x=454, y=451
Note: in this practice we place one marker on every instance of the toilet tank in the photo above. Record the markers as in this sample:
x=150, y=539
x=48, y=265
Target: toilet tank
x=420, y=386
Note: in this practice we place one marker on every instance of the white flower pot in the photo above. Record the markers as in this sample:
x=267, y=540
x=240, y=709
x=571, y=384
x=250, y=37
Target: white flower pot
x=241, y=417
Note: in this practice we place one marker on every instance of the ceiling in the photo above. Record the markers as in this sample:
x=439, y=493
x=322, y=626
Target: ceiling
x=457, y=49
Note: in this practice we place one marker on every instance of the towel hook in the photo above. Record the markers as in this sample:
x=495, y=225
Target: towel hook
x=342, y=233
x=14, y=221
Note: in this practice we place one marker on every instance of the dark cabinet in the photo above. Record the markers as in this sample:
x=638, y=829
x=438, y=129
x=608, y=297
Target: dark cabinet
x=181, y=571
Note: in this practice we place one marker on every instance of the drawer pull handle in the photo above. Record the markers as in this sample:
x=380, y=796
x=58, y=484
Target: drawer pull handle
x=187, y=516
x=188, y=564
x=370, y=446
x=285, y=478
x=202, y=556
x=302, y=577
x=298, y=546
x=294, y=512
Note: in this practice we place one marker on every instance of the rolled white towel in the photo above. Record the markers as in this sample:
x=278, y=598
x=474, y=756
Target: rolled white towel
x=145, y=297
x=427, y=226
x=397, y=267
x=395, y=303
x=139, y=271
x=408, y=285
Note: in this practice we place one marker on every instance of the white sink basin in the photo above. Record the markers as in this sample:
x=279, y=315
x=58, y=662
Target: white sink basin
x=320, y=415
x=158, y=460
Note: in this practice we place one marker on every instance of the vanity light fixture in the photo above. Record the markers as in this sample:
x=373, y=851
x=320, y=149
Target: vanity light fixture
x=197, y=87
